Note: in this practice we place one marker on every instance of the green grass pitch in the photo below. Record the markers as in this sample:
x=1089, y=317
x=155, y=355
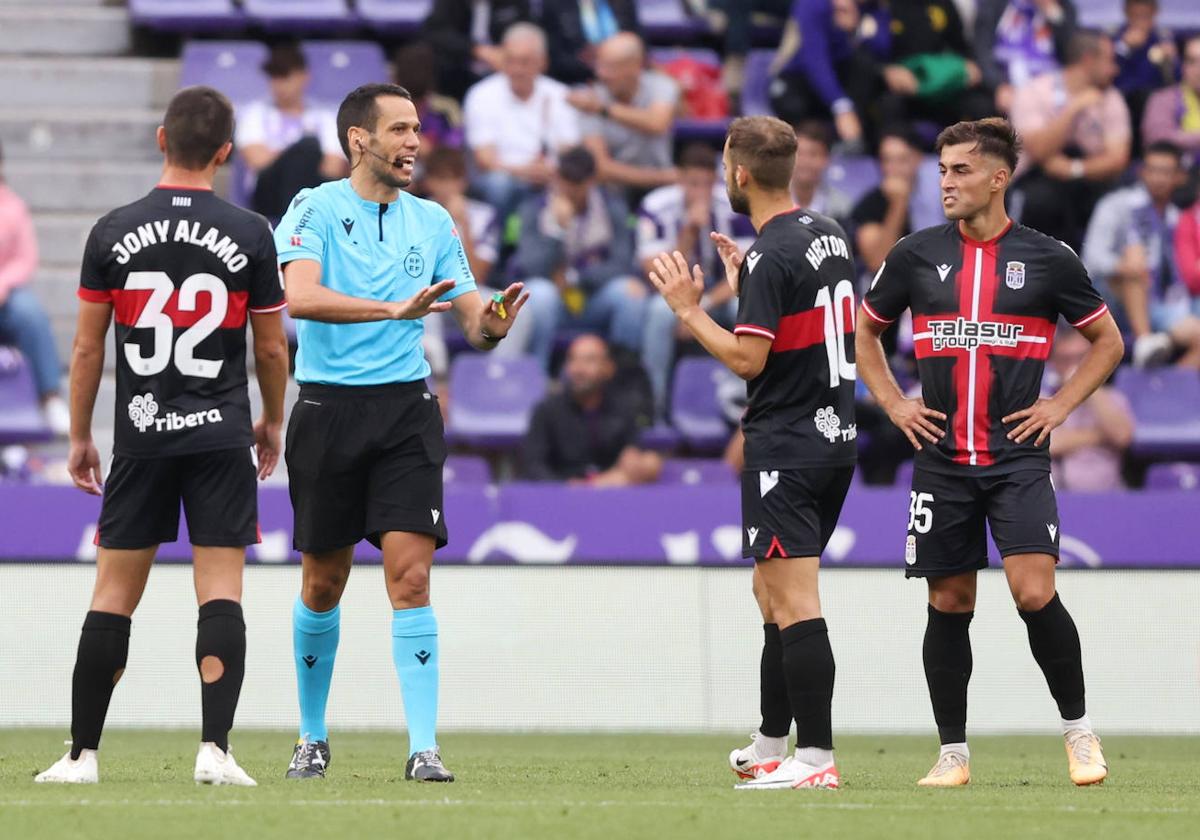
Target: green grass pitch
x=596, y=786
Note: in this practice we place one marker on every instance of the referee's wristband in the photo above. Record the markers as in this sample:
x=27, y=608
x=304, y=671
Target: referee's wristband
x=488, y=337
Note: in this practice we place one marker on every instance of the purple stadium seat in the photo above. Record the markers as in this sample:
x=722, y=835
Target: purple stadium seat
x=695, y=411
x=756, y=88
x=316, y=16
x=232, y=67
x=394, y=16
x=855, y=176
x=466, y=469
x=1178, y=476
x=1166, y=408
x=187, y=15
x=667, y=22
x=492, y=398
x=21, y=418
x=338, y=67
x=660, y=438
x=696, y=471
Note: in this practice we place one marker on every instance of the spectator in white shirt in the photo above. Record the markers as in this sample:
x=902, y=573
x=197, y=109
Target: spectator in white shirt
x=287, y=143
x=517, y=121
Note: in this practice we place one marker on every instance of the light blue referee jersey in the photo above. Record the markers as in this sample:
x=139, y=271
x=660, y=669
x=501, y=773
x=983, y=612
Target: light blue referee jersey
x=374, y=251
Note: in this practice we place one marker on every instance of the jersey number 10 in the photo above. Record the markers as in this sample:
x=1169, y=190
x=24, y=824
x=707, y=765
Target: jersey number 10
x=153, y=316
x=835, y=308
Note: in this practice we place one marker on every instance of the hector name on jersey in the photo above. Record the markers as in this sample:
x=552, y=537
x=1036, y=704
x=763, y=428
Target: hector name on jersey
x=984, y=315
x=181, y=269
x=797, y=289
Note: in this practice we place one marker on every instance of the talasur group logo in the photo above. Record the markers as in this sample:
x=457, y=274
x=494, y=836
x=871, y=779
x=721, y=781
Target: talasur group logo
x=142, y=411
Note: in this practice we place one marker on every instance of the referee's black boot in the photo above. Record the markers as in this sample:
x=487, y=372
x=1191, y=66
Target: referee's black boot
x=309, y=760
x=426, y=766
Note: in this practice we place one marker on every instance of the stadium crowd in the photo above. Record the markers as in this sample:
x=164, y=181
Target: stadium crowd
x=566, y=151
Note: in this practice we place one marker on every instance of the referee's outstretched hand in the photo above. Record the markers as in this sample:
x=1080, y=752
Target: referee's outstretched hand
x=916, y=421
x=84, y=466
x=424, y=302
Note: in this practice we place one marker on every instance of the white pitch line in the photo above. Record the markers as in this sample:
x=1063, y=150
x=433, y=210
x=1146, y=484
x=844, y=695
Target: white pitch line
x=601, y=803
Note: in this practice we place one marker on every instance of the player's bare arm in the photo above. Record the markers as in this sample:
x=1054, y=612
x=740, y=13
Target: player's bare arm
x=87, y=366
x=745, y=355
x=485, y=322
x=271, y=369
x=1101, y=360
x=910, y=416
x=308, y=299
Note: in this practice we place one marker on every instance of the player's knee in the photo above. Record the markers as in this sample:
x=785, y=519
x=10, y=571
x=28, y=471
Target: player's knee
x=322, y=590
x=410, y=585
x=1031, y=597
x=952, y=599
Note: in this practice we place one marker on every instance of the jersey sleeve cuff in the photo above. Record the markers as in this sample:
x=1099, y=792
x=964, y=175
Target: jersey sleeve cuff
x=753, y=329
x=875, y=316
x=1087, y=319
x=266, y=310
x=461, y=287
x=293, y=254
x=95, y=295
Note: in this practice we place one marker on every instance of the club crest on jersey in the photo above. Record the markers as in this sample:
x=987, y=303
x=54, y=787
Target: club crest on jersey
x=910, y=550
x=1014, y=275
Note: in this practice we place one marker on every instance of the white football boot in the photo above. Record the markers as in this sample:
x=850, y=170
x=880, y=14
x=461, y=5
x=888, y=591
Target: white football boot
x=793, y=773
x=760, y=758
x=214, y=767
x=81, y=771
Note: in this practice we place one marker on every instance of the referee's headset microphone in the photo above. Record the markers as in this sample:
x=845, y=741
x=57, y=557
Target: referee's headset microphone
x=364, y=150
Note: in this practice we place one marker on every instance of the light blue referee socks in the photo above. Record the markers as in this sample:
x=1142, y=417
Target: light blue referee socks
x=415, y=652
x=315, y=641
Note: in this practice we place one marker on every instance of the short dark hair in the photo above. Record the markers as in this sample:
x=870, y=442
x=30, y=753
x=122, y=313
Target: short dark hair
x=698, y=156
x=576, y=165
x=902, y=132
x=993, y=136
x=198, y=122
x=1083, y=44
x=766, y=146
x=360, y=109
x=1164, y=147
x=446, y=162
x=817, y=131
x=284, y=60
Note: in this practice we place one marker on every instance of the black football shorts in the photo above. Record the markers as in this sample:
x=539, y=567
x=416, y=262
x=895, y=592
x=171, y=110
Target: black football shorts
x=363, y=460
x=218, y=490
x=791, y=513
x=948, y=516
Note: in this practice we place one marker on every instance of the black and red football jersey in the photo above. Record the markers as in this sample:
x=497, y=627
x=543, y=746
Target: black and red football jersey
x=181, y=269
x=797, y=289
x=984, y=315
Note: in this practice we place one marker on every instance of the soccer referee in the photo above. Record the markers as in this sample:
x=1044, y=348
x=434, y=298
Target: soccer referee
x=363, y=263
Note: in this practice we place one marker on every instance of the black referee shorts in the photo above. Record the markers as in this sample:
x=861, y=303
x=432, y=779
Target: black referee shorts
x=363, y=460
x=218, y=490
x=948, y=518
x=791, y=513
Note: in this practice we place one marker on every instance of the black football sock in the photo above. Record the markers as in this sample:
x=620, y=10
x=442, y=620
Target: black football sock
x=220, y=633
x=1055, y=645
x=772, y=687
x=948, y=662
x=809, y=670
x=99, y=663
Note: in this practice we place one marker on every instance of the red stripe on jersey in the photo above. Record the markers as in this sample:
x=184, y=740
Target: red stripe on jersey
x=129, y=304
x=989, y=284
x=95, y=295
x=804, y=329
x=1087, y=319
x=266, y=310
x=1024, y=337
x=875, y=316
x=751, y=329
x=963, y=393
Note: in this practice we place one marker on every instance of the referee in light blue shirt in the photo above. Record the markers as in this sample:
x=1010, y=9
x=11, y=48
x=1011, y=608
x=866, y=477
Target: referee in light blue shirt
x=363, y=263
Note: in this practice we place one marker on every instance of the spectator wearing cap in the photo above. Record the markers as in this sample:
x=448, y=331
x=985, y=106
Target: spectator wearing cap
x=1173, y=113
x=1016, y=40
x=1129, y=251
x=517, y=121
x=465, y=36
x=588, y=433
x=23, y=320
x=1076, y=133
x=576, y=258
x=679, y=217
x=577, y=28
x=286, y=142
x=628, y=117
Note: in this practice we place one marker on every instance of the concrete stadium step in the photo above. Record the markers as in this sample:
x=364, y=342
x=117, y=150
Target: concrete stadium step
x=61, y=237
x=70, y=82
x=54, y=30
x=60, y=133
x=80, y=186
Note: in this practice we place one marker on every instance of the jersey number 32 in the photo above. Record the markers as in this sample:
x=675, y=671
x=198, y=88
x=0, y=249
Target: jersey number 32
x=154, y=317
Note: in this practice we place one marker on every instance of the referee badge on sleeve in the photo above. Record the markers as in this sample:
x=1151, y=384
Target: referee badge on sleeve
x=296, y=243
